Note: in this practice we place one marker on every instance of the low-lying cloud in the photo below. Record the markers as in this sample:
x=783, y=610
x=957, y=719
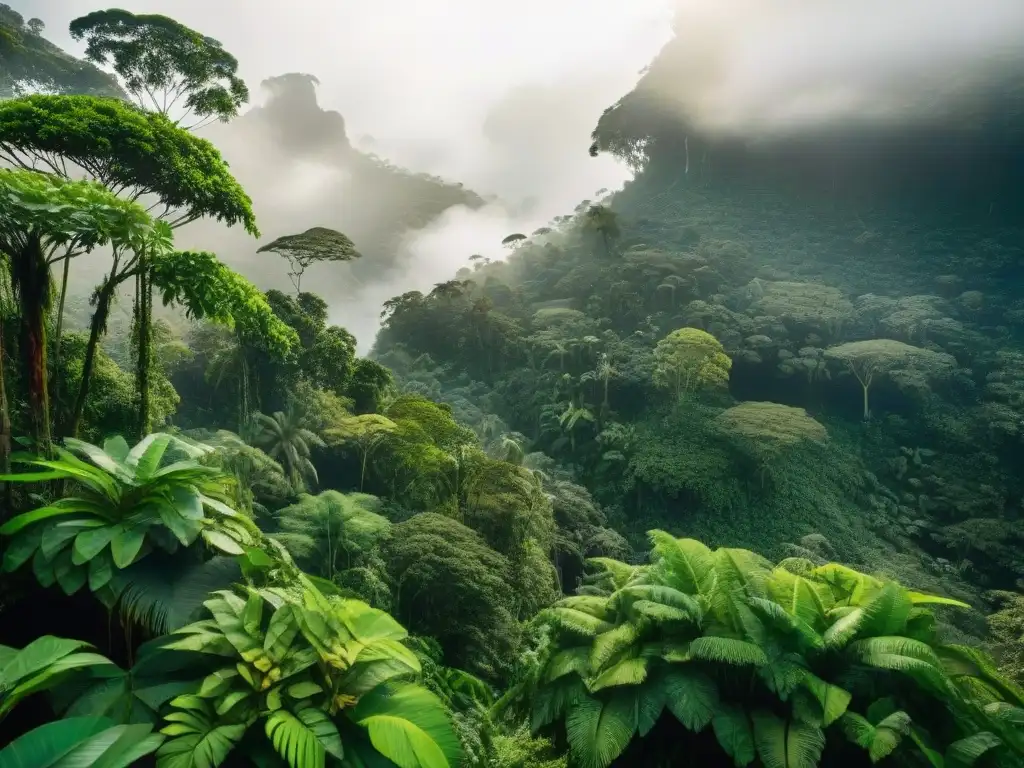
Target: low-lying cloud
x=503, y=100
x=755, y=68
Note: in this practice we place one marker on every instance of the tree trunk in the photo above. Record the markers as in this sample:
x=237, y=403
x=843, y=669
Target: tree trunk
x=32, y=281
x=97, y=329
x=867, y=410
x=55, y=378
x=144, y=322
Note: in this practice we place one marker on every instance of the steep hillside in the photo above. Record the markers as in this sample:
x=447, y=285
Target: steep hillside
x=30, y=62
x=297, y=162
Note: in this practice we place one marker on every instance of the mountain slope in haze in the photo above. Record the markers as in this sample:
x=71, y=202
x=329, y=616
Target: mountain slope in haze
x=28, y=62
x=784, y=251
x=948, y=136
x=297, y=163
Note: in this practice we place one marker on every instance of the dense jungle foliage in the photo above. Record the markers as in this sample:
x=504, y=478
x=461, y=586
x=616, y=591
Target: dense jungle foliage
x=675, y=483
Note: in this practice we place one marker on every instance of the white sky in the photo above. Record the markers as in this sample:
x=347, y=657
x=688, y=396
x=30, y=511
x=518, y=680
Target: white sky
x=419, y=75
x=503, y=96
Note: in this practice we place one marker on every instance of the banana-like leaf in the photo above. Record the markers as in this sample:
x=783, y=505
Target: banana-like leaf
x=409, y=725
x=80, y=741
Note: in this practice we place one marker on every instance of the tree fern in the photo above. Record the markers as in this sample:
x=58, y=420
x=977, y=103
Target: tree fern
x=802, y=598
x=887, y=612
x=682, y=606
x=575, y=621
x=615, y=640
x=285, y=439
x=707, y=633
x=685, y=564
x=727, y=650
x=631, y=671
x=575, y=659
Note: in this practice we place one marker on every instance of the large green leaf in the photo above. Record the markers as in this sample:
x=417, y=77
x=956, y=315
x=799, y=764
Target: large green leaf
x=79, y=742
x=126, y=545
x=966, y=752
x=600, y=729
x=36, y=656
x=688, y=565
x=369, y=624
x=196, y=740
x=727, y=650
x=879, y=740
x=296, y=743
x=146, y=455
x=691, y=696
x=164, y=593
x=120, y=746
x=304, y=738
x=41, y=665
x=735, y=734
x=101, y=459
x=409, y=725
x=786, y=743
x=887, y=612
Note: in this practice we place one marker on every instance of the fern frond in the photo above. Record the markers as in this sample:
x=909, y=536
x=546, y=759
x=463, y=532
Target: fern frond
x=727, y=650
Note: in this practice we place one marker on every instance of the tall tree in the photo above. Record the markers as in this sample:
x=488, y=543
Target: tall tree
x=310, y=247
x=41, y=216
x=165, y=66
x=207, y=288
x=605, y=222
x=132, y=153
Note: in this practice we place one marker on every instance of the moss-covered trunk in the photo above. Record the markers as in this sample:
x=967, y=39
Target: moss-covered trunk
x=99, y=325
x=144, y=323
x=31, y=281
x=55, y=377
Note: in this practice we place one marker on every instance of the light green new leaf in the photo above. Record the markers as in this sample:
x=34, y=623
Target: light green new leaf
x=409, y=725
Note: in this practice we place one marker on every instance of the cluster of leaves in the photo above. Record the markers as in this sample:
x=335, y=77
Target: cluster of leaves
x=127, y=150
x=162, y=63
x=321, y=674
x=772, y=659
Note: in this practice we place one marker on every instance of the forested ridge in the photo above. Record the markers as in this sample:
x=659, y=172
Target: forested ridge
x=718, y=469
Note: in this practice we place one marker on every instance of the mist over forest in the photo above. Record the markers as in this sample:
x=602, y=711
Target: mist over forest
x=593, y=385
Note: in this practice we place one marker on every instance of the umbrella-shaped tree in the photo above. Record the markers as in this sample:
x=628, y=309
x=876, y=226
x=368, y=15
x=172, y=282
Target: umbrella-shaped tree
x=311, y=247
x=165, y=66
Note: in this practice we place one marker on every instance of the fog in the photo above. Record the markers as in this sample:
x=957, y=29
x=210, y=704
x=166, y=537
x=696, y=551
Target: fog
x=752, y=68
x=504, y=103
x=501, y=102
